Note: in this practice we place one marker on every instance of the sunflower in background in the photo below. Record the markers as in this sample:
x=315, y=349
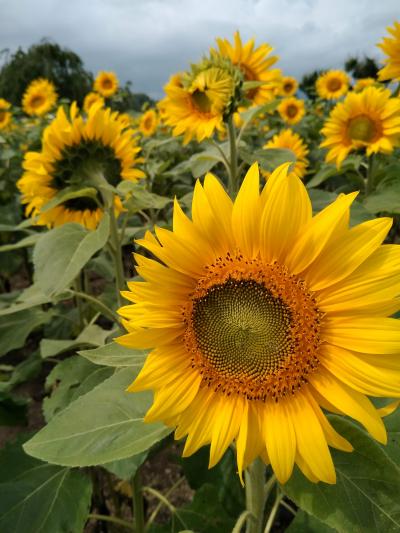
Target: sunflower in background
x=369, y=119
x=290, y=140
x=5, y=114
x=148, y=123
x=332, y=85
x=90, y=99
x=391, y=48
x=255, y=64
x=363, y=83
x=73, y=150
x=289, y=86
x=106, y=83
x=39, y=97
x=291, y=110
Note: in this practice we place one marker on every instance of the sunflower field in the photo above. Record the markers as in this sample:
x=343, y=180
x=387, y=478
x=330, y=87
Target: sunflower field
x=199, y=302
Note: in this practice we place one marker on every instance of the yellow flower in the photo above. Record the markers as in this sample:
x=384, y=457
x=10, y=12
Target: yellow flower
x=370, y=120
x=197, y=110
x=148, y=123
x=75, y=149
x=289, y=86
x=39, y=97
x=5, y=115
x=255, y=64
x=362, y=83
x=106, y=83
x=291, y=110
x=259, y=316
x=90, y=99
x=332, y=85
x=391, y=48
x=291, y=141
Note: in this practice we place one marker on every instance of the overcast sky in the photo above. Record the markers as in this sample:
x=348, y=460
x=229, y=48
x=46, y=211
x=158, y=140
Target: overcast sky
x=146, y=41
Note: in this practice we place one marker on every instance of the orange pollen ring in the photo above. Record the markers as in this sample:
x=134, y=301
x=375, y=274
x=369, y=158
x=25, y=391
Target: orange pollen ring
x=252, y=329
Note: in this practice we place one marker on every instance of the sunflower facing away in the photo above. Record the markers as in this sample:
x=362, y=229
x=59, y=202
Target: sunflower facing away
x=148, y=123
x=391, y=48
x=5, y=115
x=106, y=83
x=73, y=149
x=259, y=316
x=290, y=140
x=39, y=97
x=332, y=85
x=255, y=64
x=90, y=99
x=291, y=110
x=289, y=86
x=369, y=119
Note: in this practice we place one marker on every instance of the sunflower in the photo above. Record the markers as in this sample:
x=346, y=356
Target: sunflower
x=73, y=150
x=39, y=97
x=148, y=123
x=332, y=85
x=90, y=99
x=5, y=115
x=106, y=83
x=196, y=108
x=291, y=141
x=391, y=48
x=255, y=64
x=369, y=119
x=291, y=110
x=289, y=86
x=260, y=316
x=363, y=83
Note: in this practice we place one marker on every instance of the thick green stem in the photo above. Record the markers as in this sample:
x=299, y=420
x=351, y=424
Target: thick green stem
x=233, y=163
x=98, y=304
x=117, y=256
x=255, y=495
x=274, y=511
x=112, y=519
x=138, y=509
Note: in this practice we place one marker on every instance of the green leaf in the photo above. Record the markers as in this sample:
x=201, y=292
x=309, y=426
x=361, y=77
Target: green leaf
x=39, y=498
x=15, y=328
x=30, y=240
x=92, y=335
x=28, y=369
x=328, y=171
x=61, y=253
x=104, y=425
x=203, y=162
x=384, y=200
x=247, y=116
x=30, y=297
x=68, y=194
x=113, y=354
x=365, y=497
x=306, y=523
x=126, y=468
x=268, y=159
x=140, y=198
x=392, y=423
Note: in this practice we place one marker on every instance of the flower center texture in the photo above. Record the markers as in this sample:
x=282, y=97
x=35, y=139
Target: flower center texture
x=201, y=101
x=37, y=101
x=291, y=111
x=362, y=128
x=107, y=84
x=288, y=87
x=334, y=85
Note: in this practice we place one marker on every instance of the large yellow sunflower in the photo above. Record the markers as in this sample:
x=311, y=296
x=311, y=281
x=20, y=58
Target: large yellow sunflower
x=369, y=119
x=260, y=316
x=39, y=97
x=90, y=99
x=148, y=123
x=196, y=109
x=391, y=48
x=332, y=85
x=291, y=110
x=106, y=83
x=255, y=64
x=290, y=140
x=289, y=86
x=73, y=150
x=5, y=115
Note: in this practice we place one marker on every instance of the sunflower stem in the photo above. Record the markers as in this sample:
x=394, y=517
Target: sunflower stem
x=255, y=495
x=369, y=186
x=111, y=519
x=117, y=255
x=138, y=508
x=233, y=166
x=274, y=511
x=96, y=303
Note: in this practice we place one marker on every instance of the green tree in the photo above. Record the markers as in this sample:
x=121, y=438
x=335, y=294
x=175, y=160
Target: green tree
x=365, y=67
x=307, y=84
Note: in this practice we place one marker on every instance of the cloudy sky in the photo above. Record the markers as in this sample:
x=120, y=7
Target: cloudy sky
x=146, y=40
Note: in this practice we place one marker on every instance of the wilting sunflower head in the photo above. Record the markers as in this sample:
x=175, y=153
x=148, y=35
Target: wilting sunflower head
x=363, y=83
x=291, y=110
x=92, y=98
x=369, y=120
x=290, y=140
x=106, y=83
x=39, y=97
x=5, y=115
x=289, y=86
x=391, y=48
x=148, y=123
x=332, y=85
x=74, y=151
x=259, y=315
x=255, y=64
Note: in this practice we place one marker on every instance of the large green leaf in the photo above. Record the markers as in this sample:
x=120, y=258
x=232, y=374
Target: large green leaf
x=113, y=354
x=384, y=200
x=104, y=425
x=25, y=242
x=140, y=198
x=70, y=193
x=365, y=498
x=126, y=468
x=306, y=523
x=268, y=159
x=15, y=328
x=61, y=253
x=92, y=335
x=40, y=498
x=25, y=370
x=392, y=423
x=30, y=297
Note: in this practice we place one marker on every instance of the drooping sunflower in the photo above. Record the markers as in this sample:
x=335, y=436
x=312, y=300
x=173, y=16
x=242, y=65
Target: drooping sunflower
x=289, y=86
x=5, y=115
x=369, y=119
x=92, y=98
x=106, y=83
x=291, y=110
x=259, y=316
x=332, y=85
x=73, y=150
x=391, y=48
x=255, y=64
x=39, y=97
x=363, y=83
x=290, y=140
x=148, y=123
